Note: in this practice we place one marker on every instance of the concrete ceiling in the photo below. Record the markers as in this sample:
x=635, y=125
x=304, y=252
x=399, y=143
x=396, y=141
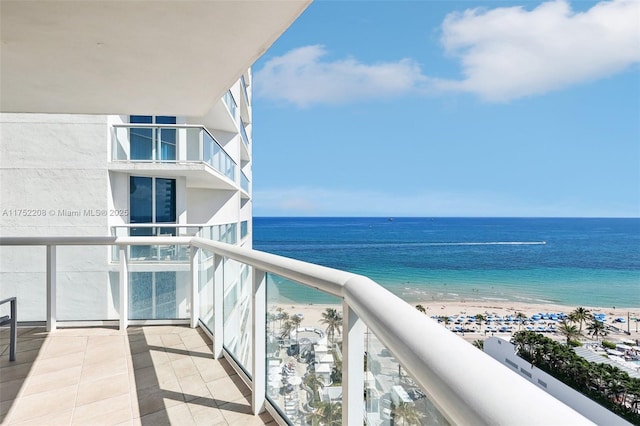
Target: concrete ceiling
x=131, y=57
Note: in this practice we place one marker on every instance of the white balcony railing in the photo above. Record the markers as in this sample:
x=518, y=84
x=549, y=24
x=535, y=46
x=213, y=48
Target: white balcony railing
x=225, y=233
x=178, y=144
x=229, y=295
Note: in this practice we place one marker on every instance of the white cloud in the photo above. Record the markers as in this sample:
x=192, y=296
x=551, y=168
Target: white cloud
x=313, y=201
x=301, y=77
x=507, y=53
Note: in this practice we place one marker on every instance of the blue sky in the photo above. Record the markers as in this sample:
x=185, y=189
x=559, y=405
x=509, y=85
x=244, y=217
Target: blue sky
x=449, y=108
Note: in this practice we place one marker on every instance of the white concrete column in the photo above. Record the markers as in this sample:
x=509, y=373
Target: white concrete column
x=195, y=294
x=124, y=287
x=218, y=303
x=51, y=288
x=352, y=367
x=258, y=323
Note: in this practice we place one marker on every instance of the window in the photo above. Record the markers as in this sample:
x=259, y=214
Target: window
x=151, y=200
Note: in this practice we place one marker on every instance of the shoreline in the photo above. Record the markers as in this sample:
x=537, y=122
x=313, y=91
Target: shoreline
x=312, y=313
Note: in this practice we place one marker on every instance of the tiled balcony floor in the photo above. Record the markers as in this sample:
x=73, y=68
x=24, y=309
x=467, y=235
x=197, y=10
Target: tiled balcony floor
x=154, y=375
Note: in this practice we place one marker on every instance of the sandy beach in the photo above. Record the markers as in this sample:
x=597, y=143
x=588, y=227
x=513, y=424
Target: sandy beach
x=313, y=313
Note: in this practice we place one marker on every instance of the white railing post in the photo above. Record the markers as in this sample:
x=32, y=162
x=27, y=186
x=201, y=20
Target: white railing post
x=352, y=367
x=124, y=287
x=51, y=288
x=195, y=299
x=258, y=312
x=218, y=305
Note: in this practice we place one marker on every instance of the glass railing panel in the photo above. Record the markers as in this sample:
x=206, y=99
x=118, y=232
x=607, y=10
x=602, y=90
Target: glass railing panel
x=153, y=253
x=244, y=182
x=141, y=143
x=206, y=273
x=167, y=142
x=304, y=352
x=237, y=312
x=231, y=104
x=244, y=229
x=391, y=395
x=120, y=148
x=243, y=84
x=86, y=288
x=243, y=133
x=23, y=275
x=193, y=141
x=159, y=294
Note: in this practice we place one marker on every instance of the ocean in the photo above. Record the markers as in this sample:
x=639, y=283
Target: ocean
x=575, y=262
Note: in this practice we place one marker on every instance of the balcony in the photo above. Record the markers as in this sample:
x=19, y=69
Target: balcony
x=244, y=184
x=231, y=104
x=148, y=375
x=303, y=366
x=170, y=150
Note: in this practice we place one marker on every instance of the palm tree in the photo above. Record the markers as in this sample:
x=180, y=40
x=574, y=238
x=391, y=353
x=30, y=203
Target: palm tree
x=407, y=413
x=521, y=318
x=295, y=322
x=333, y=319
x=286, y=329
x=315, y=383
x=580, y=315
x=329, y=414
x=570, y=331
x=421, y=308
x=479, y=343
x=597, y=328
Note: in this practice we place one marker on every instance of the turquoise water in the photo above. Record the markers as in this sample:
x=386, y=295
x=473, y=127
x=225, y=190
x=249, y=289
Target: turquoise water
x=591, y=262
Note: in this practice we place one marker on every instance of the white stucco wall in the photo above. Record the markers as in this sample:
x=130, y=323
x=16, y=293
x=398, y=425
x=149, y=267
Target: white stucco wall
x=504, y=352
x=53, y=170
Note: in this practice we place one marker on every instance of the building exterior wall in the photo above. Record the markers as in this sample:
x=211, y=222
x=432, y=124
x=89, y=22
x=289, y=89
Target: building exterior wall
x=58, y=177
x=504, y=352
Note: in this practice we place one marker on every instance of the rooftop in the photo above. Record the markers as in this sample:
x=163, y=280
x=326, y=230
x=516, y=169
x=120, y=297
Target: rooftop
x=147, y=375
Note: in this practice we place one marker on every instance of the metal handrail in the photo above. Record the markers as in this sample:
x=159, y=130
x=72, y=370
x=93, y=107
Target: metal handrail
x=13, y=321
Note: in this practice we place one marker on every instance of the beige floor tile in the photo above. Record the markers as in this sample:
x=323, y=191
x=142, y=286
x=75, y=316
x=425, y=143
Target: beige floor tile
x=205, y=412
x=102, y=355
x=38, y=383
x=180, y=415
x=105, y=388
x=56, y=418
x=104, y=412
x=153, y=400
x=142, y=360
x=63, y=345
x=14, y=371
x=44, y=403
x=211, y=369
x=146, y=375
x=23, y=345
x=5, y=406
x=170, y=339
x=184, y=367
x=10, y=390
x=193, y=387
x=176, y=352
x=58, y=363
x=24, y=357
x=193, y=341
x=95, y=371
x=228, y=389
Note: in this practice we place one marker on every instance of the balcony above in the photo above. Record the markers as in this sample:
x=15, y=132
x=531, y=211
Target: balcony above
x=169, y=151
x=174, y=58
